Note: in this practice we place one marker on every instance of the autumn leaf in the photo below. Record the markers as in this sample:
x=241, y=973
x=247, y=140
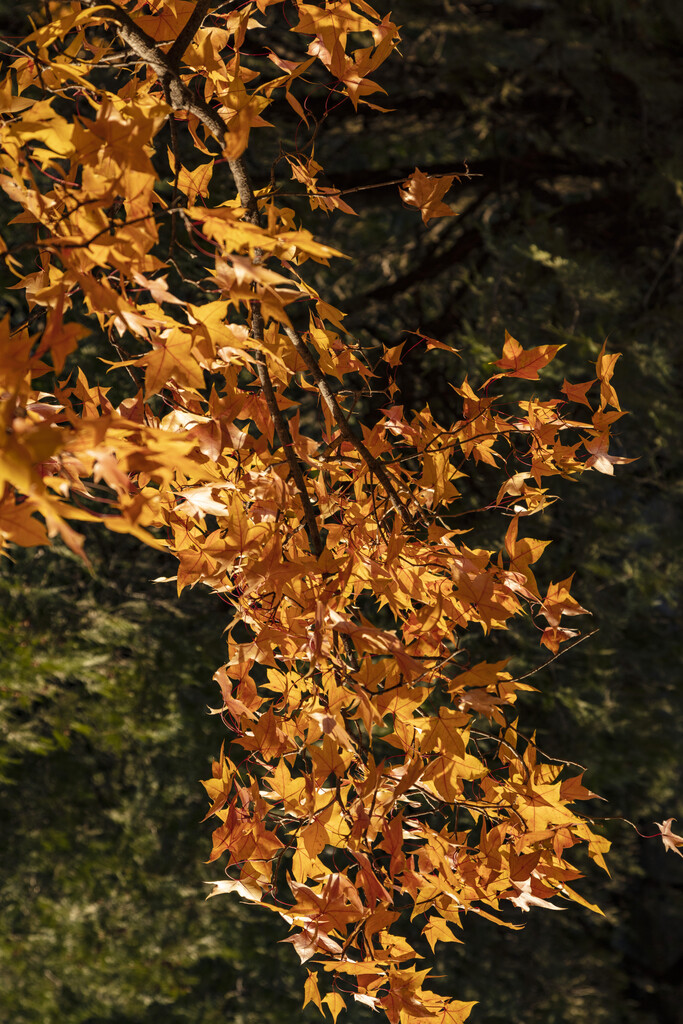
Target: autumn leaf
x=312, y=992
x=19, y=525
x=524, y=363
x=599, y=459
x=171, y=358
x=437, y=930
x=335, y=1003
x=605, y=371
x=248, y=890
x=426, y=192
x=669, y=838
x=525, y=898
x=577, y=392
x=455, y=1011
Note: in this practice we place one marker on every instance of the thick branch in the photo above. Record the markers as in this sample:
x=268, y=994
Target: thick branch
x=144, y=47
x=177, y=93
x=187, y=33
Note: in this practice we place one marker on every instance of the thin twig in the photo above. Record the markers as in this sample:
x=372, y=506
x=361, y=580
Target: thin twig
x=399, y=181
x=663, y=269
x=565, y=650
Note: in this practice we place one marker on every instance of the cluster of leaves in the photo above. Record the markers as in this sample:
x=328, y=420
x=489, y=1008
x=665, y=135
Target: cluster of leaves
x=373, y=772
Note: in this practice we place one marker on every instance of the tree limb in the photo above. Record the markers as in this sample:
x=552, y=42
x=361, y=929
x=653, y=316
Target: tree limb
x=333, y=405
x=178, y=95
x=284, y=433
x=187, y=33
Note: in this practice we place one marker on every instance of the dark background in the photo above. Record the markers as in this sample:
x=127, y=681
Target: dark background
x=572, y=115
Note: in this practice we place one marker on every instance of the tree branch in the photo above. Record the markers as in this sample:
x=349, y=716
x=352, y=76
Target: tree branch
x=178, y=95
x=333, y=405
x=284, y=433
x=187, y=33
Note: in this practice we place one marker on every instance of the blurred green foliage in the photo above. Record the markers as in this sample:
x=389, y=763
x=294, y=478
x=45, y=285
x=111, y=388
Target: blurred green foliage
x=573, y=232
x=105, y=731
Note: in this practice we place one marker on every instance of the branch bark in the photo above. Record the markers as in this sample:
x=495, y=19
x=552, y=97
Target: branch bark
x=187, y=33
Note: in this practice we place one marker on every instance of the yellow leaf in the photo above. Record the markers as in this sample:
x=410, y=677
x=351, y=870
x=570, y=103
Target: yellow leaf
x=335, y=1003
x=18, y=525
x=436, y=930
x=195, y=183
x=312, y=993
x=171, y=358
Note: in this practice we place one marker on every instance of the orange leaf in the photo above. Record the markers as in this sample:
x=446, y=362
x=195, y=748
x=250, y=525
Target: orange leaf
x=577, y=392
x=426, y=191
x=605, y=370
x=311, y=992
x=524, y=363
x=455, y=1011
x=195, y=183
x=18, y=525
x=335, y=1003
x=436, y=930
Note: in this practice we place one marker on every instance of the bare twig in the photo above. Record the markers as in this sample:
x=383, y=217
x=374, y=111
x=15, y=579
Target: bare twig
x=663, y=269
x=399, y=181
x=559, y=654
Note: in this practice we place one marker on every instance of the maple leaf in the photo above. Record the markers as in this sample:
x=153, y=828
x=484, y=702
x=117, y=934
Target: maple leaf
x=524, y=363
x=669, y=838
x=245, y=888
x=426, y=191
x=312, y=992
x=525, y=898
x=335, y=1003
x=195, y=183
x=599, y=459
x=311, y=942
x=605, y=370
x=366, y=1000
x=558, y=602
x=578, y=392
x=437, y=930
x=455, y=1011
x=18, y=525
